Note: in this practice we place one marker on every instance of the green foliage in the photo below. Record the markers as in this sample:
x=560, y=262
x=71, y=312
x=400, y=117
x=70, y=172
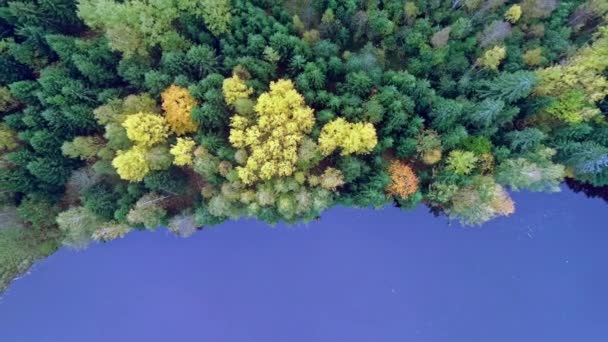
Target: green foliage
x=20, y=248
x=148, y=211
x=101, y=200
x=588, y=160
x=480, y=201
x=216, y=14
x=526, y=139
x=573, y=107
x=85, y=148
x=510, y=87
x=77, y=225
x=478, y=145
x=38, y=211
x=462, y=162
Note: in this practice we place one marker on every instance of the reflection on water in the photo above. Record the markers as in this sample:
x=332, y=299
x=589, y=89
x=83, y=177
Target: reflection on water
x=590, y=191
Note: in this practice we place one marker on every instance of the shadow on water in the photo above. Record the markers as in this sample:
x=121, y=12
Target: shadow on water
x=589, y=190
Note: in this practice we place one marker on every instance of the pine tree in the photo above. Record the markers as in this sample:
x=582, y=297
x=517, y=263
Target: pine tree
x=510, y=87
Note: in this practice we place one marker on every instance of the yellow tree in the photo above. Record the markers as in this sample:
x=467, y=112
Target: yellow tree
x=182, y=151
x=146, y=129
x=513, y=14
x=131, y=165
x=235, y=88
x=492, y=58
x=178, y=105
x=357, y=138
x=273, y=136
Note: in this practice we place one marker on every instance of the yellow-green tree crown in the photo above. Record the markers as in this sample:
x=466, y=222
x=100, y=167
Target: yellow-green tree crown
x=492, y=58
x=8, y=140
x=272, y=137
x=513, y=14
x=235, y=88
x=352, y=138
x=182, y=151
x=131, y=165
x=146, y=129
x=584, y=71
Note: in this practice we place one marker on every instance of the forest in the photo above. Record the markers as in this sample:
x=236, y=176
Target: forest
x=121, y=115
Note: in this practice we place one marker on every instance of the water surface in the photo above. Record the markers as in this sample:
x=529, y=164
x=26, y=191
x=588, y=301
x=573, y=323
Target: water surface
x=356, y=275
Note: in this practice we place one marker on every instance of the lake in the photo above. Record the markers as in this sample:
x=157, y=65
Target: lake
x=355, y=275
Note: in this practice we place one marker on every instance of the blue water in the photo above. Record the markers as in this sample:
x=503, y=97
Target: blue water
x=356, y=275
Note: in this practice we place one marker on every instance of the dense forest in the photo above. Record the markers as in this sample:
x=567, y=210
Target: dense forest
x=136, y=114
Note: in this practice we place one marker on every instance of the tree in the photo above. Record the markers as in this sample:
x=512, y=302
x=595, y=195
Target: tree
x=52, y=171
x=101, y=200
x=148, y=211
x=537, y=8
x=182, y=225
x=111, y=231
x=272, y=141
x=146, y=129
x=462, y=162
x=584, y=72
x=534, y=57
x=135, y=26
x=83, y=147
x=510, y=87
x=441, y=37
x=534, y=172
x=37, y=211
x=216, y=14
x=525, y=140
x=203, y=60
x=8, y=140
x=513, y=14
x=487, y=112
x=235, y=88
x=178, y=105
x=573, y=107
x=587, y=13
x=331, y=179
x=495, y=32
x=351, y=138
x=587, y=160
x=492, y=58
x=78, y=225
x=7, y=101
x=182, y=151
x=428, y=146
x=480, y=202
x=404, y=181
x=131, y=165
x=479, y=145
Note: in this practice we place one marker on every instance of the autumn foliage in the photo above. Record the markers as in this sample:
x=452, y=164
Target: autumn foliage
x=178, y=105
x=351, y=138
x=273, y=136
x=404, y=181
x=146, y=129
x=235, y=88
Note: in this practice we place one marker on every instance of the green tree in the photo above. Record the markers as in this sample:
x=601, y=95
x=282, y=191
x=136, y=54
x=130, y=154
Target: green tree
x=462, y=162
